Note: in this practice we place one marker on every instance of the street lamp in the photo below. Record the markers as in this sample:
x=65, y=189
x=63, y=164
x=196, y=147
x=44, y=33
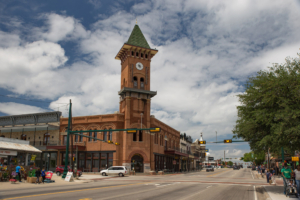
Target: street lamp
x=48, y=161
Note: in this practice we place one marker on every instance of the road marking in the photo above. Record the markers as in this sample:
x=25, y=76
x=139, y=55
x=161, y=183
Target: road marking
x=209, y=186
x=255, y=197
x=252, y=174
x=218, y=173
x=70, y=191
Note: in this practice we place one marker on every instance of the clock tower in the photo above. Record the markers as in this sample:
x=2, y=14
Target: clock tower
x=135, y=94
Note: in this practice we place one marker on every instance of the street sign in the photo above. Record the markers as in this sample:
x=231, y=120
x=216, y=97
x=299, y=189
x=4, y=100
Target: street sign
x=206, y=150
x=295, y=159
x=210, y=158
x=155, y=130
x=69, y=177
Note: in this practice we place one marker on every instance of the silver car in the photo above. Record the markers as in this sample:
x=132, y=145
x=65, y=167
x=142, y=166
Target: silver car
x=114, y=171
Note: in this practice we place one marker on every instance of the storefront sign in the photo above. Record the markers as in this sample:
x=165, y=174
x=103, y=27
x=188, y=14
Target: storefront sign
x=210, y=158
x=33, y=157
x=69, y=177
x=8, y=153
x=49, y=175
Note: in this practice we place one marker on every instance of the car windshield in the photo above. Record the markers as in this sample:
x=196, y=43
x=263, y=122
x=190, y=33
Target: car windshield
x=110, y=168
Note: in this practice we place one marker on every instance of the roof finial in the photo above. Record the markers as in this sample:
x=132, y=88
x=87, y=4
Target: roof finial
x=136, y=20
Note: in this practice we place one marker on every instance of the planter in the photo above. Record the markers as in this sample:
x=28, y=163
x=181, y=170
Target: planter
x=152, y=173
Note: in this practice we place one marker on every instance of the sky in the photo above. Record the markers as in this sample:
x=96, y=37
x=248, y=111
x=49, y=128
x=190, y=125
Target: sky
x=53, y=51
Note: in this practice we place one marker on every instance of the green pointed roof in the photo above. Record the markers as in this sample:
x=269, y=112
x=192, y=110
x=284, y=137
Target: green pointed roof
x=137, y=38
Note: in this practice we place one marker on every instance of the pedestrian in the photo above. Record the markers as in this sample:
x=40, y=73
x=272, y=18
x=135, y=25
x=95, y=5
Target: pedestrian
x=43, y=173
x=297, y=178
x=38, y=175
x=286, y=174
x=18, y=171
x=273, y=176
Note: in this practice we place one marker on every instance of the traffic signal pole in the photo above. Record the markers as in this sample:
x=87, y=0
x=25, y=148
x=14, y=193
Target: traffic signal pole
x=67, y=145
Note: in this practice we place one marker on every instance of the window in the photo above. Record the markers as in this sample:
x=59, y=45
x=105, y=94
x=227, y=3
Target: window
x=132, y=53
x=142, y=55
x=134, y=136
x=91, y=135
x=135, y=84
x=146, y=56
x=23, y=137
x=95, y=135
x=142, y=83
x=76, y=138
x=137, y=53
x=110, y=134
x=140, y=136
x=105, y=135
x=46, y=138
x=81, y=137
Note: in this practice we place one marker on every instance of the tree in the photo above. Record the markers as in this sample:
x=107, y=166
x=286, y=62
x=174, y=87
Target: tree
x=230, y=163
x=257, y=158
x=269, y=114
x=223, y=163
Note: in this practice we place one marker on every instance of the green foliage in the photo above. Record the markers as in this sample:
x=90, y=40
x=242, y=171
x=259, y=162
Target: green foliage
x=257, y=158
x=223, y=163
x=230, y=163
x=269, y=114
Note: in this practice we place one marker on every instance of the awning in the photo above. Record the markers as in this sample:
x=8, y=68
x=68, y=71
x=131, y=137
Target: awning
x=28, y=128
x=18, y=147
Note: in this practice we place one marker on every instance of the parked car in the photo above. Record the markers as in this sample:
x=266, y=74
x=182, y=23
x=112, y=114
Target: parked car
x=236, y=167
x=60, y=170
x=114, y=171
x=209, y=169
x=249, y=166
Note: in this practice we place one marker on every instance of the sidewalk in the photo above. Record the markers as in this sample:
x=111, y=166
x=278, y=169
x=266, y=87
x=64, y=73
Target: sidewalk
x=276, y=193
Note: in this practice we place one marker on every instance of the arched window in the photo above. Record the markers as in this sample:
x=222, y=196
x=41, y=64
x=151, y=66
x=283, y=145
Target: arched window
x=46, y=138
x=146, y=55
x=81, y=137
x=110, y=134
x=95, y=135
x=91, y=135
x=140, y=136
x=142, y=83
x=23, y=137
x=105, y=135
x=76, y=138
x=142, y=55
x=132, y=53
x=135, y=82
x=137, y=53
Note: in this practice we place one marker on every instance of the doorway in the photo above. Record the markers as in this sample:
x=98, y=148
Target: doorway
x=137, y=163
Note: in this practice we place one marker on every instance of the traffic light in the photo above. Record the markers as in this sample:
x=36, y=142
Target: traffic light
x=132, y=131
x=227, y=141
x=110, y=142
x=202, y=142
x=155, y=130
x=117, y=143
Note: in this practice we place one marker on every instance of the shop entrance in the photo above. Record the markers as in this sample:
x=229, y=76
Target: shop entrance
x=137, y=162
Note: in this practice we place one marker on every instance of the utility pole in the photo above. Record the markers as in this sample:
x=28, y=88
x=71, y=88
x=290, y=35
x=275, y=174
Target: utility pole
x=224, y=156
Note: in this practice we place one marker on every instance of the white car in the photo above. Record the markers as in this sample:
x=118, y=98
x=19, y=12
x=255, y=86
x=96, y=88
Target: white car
x=114, y=171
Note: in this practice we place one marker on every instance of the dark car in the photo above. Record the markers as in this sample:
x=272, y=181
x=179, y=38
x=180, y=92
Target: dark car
x=210, y=169
x=249, y=166
x=60, y=170
x=236, y=167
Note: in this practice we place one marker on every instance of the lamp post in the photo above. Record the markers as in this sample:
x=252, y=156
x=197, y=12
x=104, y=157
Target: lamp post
x=48, y=161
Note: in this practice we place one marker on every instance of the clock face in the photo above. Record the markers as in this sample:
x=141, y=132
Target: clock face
x=139, y=66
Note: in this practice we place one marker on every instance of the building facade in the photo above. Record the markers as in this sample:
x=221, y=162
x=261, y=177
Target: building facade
x=140, y=151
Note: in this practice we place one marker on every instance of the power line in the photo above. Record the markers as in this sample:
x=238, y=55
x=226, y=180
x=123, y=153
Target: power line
x=30, y=99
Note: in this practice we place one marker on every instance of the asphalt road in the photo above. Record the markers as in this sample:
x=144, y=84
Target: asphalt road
x=221, y=184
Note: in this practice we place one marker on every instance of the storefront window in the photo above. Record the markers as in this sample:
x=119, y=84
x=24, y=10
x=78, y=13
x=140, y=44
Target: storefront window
x=89, y=161
x=53, y=159
x=103, y=161
x=81, y=161
x=110, y=159
x=95, y=160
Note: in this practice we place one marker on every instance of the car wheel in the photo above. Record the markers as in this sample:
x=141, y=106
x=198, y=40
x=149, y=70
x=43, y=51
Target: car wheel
x=103, y=174
x=120, y=174
x=58, y=173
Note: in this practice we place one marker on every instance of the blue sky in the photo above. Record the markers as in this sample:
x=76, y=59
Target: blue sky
x=53, y=51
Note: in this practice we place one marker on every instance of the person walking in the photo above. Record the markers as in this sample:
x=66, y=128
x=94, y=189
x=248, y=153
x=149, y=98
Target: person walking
x=297, y=178
x=38, y=175
x=43, y=173
x=18, y=171
x=286, y=174
x=273, y=176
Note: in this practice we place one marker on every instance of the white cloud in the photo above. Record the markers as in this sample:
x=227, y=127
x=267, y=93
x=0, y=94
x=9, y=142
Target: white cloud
x=12, y=108
x=207, y=49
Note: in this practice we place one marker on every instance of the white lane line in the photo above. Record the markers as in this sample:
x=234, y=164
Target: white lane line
x=252, y=175
x=209, y=186
x=255, y=197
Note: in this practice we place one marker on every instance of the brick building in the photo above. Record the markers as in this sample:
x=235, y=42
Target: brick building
x=142, y=151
